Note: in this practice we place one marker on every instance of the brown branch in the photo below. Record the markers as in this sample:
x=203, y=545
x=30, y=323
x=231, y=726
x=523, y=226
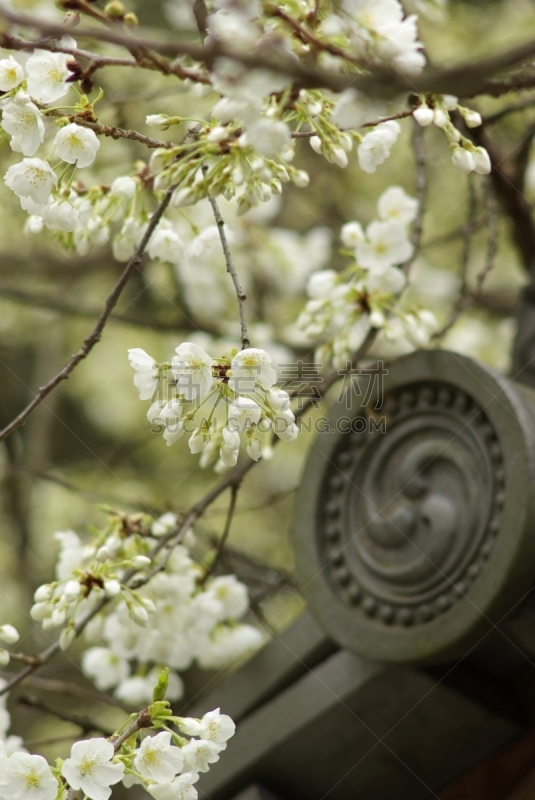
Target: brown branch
x=492, y=246
x=85, y=723
x=512, y=200
x=466, y=79
x=95, y=335
x=504, y=112
x=372, y=124
x=224, y=536
x=308, y=37
x=231, y=269
x=98, y=61
x=420, y=187
x=113, y=131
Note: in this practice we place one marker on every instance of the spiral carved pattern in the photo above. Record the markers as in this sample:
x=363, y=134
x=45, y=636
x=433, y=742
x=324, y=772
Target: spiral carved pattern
x=409, y=517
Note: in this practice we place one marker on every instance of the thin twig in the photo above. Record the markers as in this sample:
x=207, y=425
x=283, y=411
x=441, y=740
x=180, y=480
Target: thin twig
x=224, y=536
x=420, y=186
x=491, y=119
x=95, y=335
x=492, y=245
x=231, y=269
x=113, y=131
x=371, y=124
x=87, y=725
x=98, y=61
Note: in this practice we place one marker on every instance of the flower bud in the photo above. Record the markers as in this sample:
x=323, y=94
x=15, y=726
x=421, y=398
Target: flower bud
x=67, y=637
x=112, y=588
x=131, y=20
x=301, y=178
x=41, y=611
x=43, y=593
x=139, y=562
x=218, y=134
x=115, y=9
x=482, y=161
x=4, y=658
x=440, y=118
x=72, y=590
x=149, y=604
x=9, y=634
x=450, y=101
x=158, y=121
x=472, y=119
x=463, y=160
x=315, y=143
x=139, y=614
x=423, y=115
x=339, y=157
x=103, y=554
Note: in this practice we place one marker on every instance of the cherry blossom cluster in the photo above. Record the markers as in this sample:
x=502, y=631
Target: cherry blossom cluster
x=178, y=614
x=163, y=753
x=344, y=307
x=237, y=392
x=435, y=110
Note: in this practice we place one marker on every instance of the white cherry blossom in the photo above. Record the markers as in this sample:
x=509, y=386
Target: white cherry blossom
x=251, y=368
x=90, y=768
x=243, y=413
x=387, y=245
x=200, y=753
x=61, y=216
x=166, y=245
x=27, y=777
x=351, y=234
x=376, y=145
x=192, y=369
x=124, y=187
x=47, y=73
x=24, y=122
x=11, y=74
x=158, y=760
x=32, y=178
x=396, y=205
x=214, y=726
x=232, y=594
x=77, y=145
x=267, y=137
x=180, y=788
x=146, y=377
x=231, y=445
x=104, y=667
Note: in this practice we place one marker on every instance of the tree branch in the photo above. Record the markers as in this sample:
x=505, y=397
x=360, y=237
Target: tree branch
x=224, y=536
x=113, y=131
x=231, y=269
x=466, y=79
x=87, y=725
x=512, y=199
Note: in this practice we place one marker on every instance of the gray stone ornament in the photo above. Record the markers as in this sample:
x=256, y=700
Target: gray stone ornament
x=413, y=542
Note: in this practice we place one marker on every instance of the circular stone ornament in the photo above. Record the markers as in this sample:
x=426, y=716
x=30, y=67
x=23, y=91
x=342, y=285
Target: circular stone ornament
x=415, y=517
